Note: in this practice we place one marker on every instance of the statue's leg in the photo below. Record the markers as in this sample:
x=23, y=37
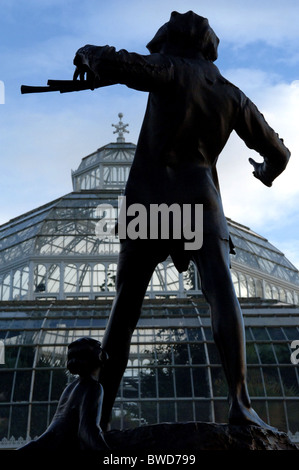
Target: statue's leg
x=134, y=270
x=213, y=263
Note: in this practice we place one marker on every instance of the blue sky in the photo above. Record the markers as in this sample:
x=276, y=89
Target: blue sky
x=44, y=136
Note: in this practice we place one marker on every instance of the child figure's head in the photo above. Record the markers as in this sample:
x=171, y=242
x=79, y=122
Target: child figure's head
x=85, y=356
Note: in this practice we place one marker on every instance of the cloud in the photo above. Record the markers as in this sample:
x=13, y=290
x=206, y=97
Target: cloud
x=245, y=198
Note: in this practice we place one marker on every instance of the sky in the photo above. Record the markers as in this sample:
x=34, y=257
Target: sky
x=44, y=136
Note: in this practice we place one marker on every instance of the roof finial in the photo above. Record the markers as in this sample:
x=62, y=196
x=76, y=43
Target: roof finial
x=120, y=128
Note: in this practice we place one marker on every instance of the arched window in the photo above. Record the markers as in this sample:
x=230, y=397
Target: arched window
x=40, y=280
x=158, y=281
x=275, y=293
x=235, y=279
x=251, y=287
x=282, y=295
x=268, y=291
x=259, y=288
x=53, y=278
x=6, y=287
x=99, y=278
x=111, y=276
x=172, y=277
x=289, y=297
x=84, y=279
x=70, y=278
x=243, y=286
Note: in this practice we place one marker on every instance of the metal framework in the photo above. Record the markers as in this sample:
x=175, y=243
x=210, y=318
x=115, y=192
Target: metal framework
x=57, y=281
x=174, y=372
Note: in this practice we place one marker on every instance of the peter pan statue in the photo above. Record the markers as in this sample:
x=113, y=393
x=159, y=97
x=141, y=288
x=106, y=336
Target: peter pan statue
x=192, y=110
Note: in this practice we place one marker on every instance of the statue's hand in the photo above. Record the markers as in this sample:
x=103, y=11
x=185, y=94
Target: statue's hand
x=82, y=71
x=259, y=172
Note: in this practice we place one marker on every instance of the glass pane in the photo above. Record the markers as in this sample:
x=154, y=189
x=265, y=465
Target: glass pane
x=290, y=381
x=276, y=333
x=165, y=382
x=266, y=353
x=6, y=379
x=203, y=411
x=260, y=333
x=22, y=385
x=293, y=416
x=260, y=407
x=200, y=382
x=41, y=385
x=19, y=418
x=181, y=354
x=99, y=278
x=251, y=354
x=59, y=382
x=272, y=382
x=221, y=411
x=291, y=332
x=130, y=387
x=84, y=282
x=213, y=354
x=185, y=411
x=255, y=383
x=39, y=420
x=282, y=352
x=183, y=382
x=166, y=412
x=26, y=357
x=11, y=354
x=4, y=418
x=70, y=278
x=149, y=412
x=53, y=278
x=277, y=415
x=218, y=382
x=198, y=354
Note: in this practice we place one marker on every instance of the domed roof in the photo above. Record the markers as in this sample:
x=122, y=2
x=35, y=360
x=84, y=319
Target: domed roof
x=54, y=250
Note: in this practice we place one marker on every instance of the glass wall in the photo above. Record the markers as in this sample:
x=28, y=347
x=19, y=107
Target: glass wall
x=174, y=372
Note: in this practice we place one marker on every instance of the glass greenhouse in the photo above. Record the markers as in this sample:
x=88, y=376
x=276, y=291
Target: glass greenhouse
x=57, y=282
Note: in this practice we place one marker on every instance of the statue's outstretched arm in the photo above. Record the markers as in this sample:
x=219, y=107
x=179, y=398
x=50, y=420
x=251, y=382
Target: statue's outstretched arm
x=252, y=127
x=141, y=72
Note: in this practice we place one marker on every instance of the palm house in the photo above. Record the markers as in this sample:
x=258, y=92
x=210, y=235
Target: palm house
x=57, y=283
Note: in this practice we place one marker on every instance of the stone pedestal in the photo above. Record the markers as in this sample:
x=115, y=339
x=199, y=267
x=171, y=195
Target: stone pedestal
x=192, y=437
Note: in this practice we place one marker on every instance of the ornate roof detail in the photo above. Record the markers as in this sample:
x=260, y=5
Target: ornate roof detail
x=120, y=128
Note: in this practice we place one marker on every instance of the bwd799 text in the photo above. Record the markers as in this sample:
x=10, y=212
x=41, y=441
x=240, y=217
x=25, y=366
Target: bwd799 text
x=169, y=459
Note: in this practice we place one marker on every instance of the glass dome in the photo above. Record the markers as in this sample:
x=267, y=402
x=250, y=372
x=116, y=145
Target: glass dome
x=57, y=282
x=54, y=252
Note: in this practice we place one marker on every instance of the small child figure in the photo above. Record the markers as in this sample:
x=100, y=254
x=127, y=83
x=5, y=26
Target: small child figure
x=76, y=422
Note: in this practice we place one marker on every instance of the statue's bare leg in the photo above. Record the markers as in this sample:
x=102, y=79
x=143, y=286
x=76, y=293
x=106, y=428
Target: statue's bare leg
x=134, y=271
x=213, y=263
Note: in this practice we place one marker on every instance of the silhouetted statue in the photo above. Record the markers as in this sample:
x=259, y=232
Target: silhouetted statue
x=76, y=422
x=192, y=109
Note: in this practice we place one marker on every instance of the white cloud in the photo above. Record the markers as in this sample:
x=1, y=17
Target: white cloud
x=245, y=198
